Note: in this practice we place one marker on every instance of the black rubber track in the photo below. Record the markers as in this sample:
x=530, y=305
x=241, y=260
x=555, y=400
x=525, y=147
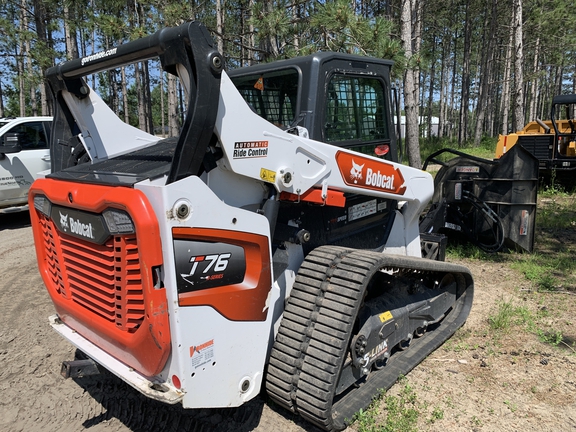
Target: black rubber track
x=313, y=338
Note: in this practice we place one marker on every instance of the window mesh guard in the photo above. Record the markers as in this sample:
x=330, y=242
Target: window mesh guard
x=355, y=110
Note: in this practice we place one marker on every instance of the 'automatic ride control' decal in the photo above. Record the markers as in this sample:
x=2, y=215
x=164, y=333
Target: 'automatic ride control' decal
x=359, y=171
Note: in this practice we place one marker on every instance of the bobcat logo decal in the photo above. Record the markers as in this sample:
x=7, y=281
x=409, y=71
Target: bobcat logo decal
x=370, y=173
x=64, y=221
x=356, y=171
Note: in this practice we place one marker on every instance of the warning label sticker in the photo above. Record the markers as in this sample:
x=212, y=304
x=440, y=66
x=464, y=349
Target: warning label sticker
x=524, y=223
x=268, y=175
x=202, y=354
x=360, y=210
x=385, y=316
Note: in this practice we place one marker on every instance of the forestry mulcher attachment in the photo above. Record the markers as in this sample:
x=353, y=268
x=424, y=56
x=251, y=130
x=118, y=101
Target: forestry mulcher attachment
x=268, y=245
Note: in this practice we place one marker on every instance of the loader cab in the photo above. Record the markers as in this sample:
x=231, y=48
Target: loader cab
x=338, y=98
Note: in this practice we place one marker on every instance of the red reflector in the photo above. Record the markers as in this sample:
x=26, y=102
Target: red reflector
x=176, y=382
x=381, y=150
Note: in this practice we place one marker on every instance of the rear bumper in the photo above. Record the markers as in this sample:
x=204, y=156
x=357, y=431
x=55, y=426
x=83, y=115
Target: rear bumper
x=14, y=209
x=154, y=389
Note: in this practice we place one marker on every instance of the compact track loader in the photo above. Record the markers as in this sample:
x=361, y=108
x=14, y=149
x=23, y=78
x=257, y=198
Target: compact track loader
x=273, y=244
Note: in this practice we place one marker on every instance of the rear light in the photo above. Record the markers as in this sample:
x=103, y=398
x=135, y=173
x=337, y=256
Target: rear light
x=42, y=204
x=176, y=382
x=118, y=222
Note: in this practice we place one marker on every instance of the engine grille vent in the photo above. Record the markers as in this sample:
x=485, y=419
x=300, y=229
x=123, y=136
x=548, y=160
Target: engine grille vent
x=104, y=279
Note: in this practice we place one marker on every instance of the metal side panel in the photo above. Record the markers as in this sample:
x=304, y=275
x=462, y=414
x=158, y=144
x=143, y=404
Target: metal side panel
x=220, y=327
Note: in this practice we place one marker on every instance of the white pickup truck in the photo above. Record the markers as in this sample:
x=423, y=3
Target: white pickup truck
x=24, y=152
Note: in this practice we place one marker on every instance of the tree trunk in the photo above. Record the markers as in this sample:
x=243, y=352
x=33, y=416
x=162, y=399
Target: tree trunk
x=486, y=75
x=140, y=95
x=534, y=92
x=431, y=91
x=27, y=60
x=505, y=109
x=125, y=96
x=453, y=91
x=410, y=87
x=251, y=39
x=220, y=25
x=573, y=92
x=558, y=81
x=40, y=19
x=518, y=73
x=20, y=61
x=1, y=100
x=465, y=99
x=147, y=98
x=162, y=123
x=172, y=107
x=70, y=36
x=443, y=85
x=295, y=19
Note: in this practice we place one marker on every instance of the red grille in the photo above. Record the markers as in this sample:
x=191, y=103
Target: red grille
x=104, y=279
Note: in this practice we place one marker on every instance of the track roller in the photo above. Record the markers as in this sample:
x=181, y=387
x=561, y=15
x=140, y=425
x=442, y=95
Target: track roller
x=339, y=342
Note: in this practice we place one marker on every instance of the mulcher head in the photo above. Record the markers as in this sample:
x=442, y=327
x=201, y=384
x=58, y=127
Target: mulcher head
x=492, y=203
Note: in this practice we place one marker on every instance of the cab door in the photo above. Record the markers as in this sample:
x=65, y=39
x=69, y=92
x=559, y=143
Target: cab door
x=27, y=153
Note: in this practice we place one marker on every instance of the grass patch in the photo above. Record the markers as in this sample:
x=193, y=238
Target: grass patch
x=485, y=150
x=398, y=413
x=556, y=212
x=510, y=317
x=552, y=266
x=539, y=270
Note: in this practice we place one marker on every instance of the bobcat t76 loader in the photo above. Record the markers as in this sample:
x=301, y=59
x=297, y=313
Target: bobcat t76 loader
x=273, y=244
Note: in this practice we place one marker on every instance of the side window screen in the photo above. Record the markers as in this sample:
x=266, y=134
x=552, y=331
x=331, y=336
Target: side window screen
x=272, y=95
x=355, y=111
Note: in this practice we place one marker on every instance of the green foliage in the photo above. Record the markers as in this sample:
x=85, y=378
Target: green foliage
x=538, y=270
x=510, y=317
x=485, y=150
x=399, y=413
x=551, y=336
x=342, y=29
x=557, y=211
x=552, y=266
x=465, y=250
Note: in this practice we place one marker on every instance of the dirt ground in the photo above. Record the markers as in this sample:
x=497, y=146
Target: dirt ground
x=474, y=382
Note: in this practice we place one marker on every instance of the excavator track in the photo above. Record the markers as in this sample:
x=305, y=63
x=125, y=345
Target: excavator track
x=355, y=321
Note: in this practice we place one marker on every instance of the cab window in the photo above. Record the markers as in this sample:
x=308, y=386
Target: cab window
x=272, y=95
x=355, y=113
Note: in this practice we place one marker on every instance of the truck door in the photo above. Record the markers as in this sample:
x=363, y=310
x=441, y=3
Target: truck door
x=19, y=169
